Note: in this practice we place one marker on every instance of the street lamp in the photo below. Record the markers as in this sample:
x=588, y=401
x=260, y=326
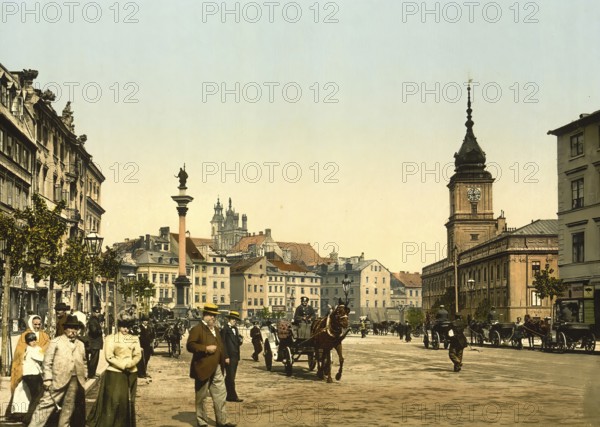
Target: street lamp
x=292, y=302
x=471, y=286
x=147, y=292
x=93, y=246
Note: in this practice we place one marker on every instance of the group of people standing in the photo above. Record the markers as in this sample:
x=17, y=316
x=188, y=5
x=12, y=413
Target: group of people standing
x=48, y=375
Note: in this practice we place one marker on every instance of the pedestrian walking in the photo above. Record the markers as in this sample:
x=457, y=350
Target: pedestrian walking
x=407, y=332
x=147, y=336
x=43, y=341
x=115, y=406
x=95, y=341
x=208, y=362
x=232, y=340
x=458, y=341
x=363, y=329
x=65, y=373
x=256, y=337
x=29, y=390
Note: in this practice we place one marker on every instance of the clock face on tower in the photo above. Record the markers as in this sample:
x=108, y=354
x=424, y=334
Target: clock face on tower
x=474, y=194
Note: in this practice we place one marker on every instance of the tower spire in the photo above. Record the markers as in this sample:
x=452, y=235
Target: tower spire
x=470, y=157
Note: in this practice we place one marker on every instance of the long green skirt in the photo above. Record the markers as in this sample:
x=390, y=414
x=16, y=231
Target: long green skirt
x=115, y=406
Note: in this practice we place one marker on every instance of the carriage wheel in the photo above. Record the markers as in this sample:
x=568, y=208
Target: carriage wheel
x=561, y=342
x=435, y=340
x=495, y=339
x=268, y=355
x=288, y=361
x=312, y=361
x=590, y=343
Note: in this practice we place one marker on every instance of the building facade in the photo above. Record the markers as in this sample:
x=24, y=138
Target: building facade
x=578, y=167
x=487, y=263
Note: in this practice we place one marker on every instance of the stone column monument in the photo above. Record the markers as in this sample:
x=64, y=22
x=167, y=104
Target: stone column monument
x=182, y=283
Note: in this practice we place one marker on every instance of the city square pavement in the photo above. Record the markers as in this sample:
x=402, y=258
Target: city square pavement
x=386, y=382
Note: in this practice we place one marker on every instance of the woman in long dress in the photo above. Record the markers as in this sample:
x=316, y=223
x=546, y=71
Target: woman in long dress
x=115, y=406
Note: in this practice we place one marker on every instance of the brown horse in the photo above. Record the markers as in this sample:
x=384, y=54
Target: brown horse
x=328, y=333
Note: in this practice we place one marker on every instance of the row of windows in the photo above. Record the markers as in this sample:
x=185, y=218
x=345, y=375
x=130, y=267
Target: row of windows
x=374, y=291
x=256, y=301
x=12, y=193
x=14, y=150
x=375, y=267
x=375, y=279
x=325, y=291
x=293, y=279
x=10, y=100
x=376, y=303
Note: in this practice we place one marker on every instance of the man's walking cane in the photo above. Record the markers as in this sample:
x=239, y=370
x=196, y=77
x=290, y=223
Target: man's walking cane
x=129, y=406
x=58, y=408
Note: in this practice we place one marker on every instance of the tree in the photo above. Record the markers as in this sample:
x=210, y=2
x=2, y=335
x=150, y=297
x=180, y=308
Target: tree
x=73, y=266
x=32, y=244
x=483, y=310
x=447, y=300
x=547, y=285
x=415, y=316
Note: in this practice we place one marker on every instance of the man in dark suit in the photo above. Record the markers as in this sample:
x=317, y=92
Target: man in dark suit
x=232, y=341
x=256, y=341
x=458, y=341
x=95, y=340
x=147, y=336
x=61, y=317
x=209, y=358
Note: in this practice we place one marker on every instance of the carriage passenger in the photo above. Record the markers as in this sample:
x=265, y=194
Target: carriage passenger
x=441, y=315
x=492, y=316
x=303, y=317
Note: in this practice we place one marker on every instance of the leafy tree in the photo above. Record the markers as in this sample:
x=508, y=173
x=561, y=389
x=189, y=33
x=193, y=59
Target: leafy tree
x=547, y=285
x=264, y=313
x=482, y=310
x=414, y=316
x=136, y=287
x=73, y=265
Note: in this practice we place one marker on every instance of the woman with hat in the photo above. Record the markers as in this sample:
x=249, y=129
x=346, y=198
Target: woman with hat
x=115, y=406
x=232, y=340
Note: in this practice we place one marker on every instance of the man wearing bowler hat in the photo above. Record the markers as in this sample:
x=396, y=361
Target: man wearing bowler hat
x=64, y=373
x=232, y=340
x=209, y=359
x=61, y=317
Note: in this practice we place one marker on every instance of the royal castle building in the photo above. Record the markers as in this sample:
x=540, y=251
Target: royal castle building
x=487, y=264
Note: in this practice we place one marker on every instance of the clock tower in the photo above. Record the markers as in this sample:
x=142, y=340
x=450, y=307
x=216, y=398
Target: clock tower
x=471, y=220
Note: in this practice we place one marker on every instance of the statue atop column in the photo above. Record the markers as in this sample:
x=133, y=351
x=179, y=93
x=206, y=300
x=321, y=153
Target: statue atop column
x=183, y=176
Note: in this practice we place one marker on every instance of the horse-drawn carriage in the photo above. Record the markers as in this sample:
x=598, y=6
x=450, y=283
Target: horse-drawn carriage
x=498, y=333
x=315, y=341
x=283, y=345
x=169, y=331
x=569, y=336
x=437, y=334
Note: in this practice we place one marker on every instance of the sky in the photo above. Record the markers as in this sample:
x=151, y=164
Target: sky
x=331, y=123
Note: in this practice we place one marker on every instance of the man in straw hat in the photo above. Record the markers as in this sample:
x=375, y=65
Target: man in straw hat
x=232, y=340
x=209, y=358
x=65, y=373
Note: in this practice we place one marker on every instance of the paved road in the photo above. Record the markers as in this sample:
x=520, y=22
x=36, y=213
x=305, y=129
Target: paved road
x=388, y=382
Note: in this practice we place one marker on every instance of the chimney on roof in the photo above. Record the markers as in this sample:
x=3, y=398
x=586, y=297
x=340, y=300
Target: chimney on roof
x=260, y=233
x=147, y=242
x=333, y=256
x=362, y=256
x=127, y=239
x=268, y=232
x=164, y=232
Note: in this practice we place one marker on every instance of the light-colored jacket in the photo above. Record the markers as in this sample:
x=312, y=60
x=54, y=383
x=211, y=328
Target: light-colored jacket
x=122, y=352
x=60, y=359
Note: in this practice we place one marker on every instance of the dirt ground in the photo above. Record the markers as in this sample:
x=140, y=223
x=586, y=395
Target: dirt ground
x=388, y=382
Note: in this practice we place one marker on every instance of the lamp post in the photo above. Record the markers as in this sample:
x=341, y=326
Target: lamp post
x=401, y=308
x=471, y=286
x=147, y=292
x=292, y=302
x=93, y=246
x=130, y=279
